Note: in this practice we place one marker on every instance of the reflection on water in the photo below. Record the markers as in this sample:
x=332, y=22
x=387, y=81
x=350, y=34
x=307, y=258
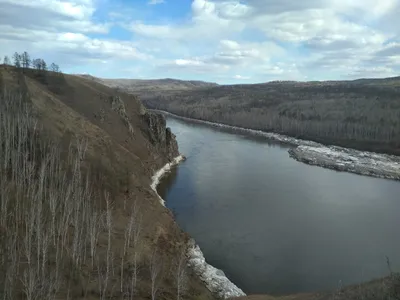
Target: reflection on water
x=275, y=225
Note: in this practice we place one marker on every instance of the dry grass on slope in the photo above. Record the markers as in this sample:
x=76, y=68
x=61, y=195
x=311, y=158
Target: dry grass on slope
x=78, y=218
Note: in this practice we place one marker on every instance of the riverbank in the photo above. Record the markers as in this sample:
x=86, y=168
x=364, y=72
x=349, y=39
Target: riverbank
x=214, y=279
x=269, y=135
x=330, y=157
x=160, y=173
x=349, y=160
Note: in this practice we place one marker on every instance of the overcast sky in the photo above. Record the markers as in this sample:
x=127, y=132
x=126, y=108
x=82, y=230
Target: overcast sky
x=224, y=41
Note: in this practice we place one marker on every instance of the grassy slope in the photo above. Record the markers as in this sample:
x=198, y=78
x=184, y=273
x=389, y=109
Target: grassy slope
x=70, y=106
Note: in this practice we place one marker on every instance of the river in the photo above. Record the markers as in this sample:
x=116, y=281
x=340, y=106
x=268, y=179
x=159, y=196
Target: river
x=275, y=225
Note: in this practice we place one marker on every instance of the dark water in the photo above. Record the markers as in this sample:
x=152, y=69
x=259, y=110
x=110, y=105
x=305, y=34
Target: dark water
x=275, y=225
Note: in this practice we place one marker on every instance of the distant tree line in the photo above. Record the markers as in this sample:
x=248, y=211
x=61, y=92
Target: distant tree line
x=24, y=61
x=361, y=115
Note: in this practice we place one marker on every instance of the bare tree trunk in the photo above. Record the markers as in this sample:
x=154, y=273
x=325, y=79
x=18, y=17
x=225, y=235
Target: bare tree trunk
x=155, y=274
x=180, y=273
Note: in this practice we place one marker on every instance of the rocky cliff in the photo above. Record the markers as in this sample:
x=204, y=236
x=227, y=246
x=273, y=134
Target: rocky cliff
x=159, y=135
x=153, y=127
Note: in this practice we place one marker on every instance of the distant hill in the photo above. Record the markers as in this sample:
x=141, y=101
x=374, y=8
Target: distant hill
x=154, y=85
x=362, y=114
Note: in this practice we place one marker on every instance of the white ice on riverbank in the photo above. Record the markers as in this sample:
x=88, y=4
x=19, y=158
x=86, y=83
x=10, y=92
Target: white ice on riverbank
x=214, y=279
x=155, y=180
x=349, y=160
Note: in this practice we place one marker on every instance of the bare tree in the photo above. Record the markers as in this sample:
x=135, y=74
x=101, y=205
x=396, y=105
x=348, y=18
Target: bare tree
x=43, y=65
x=54, y=68
x=105, y=273
x=45, y=208
x=132, y=239
x=17, y=60
x=94, y=231
x=39, y=64
x=180, y=275
x=7, y=60
x=26, y=60
x=36, y=63
x=155, y=267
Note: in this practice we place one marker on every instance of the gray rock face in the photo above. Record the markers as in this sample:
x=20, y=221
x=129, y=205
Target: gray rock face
x=118, y=106
x=154, y=127
x=160, y=136
x=157, y=125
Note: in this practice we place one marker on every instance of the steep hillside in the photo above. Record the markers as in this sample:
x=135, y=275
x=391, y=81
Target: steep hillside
x=79, y=219
x=362, y=114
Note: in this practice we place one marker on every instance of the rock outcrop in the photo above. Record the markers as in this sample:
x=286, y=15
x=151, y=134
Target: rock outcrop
x=160, y=136
x=153, y=126
x=118, y=106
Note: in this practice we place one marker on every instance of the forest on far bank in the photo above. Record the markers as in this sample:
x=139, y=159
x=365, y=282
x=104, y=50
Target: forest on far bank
x=363, y=114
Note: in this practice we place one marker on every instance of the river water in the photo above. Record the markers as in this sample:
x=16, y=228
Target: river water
x=275, y=225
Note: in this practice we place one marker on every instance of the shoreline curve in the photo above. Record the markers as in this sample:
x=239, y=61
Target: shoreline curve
x=214, y=279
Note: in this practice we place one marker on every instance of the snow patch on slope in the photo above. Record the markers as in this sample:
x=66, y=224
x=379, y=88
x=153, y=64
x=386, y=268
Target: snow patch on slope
x=214, y=279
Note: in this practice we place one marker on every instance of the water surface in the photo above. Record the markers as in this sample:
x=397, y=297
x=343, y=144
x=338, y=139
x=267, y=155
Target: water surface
x=275, y=225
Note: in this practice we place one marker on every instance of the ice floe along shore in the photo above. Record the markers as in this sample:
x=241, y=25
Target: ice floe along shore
x=155, y=179
x=349, y=160
x=331, y=157
x=214, y=279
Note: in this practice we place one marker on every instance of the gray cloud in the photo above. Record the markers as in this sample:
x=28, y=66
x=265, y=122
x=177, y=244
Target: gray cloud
x=252, y=8
x=192, y=66
x=390, y=50
x=326, y=44
x=258, y=39
x=38, y=18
